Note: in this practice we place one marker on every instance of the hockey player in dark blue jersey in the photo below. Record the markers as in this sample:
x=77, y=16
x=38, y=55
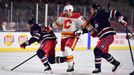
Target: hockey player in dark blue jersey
x=99, y=26
x=47, y=39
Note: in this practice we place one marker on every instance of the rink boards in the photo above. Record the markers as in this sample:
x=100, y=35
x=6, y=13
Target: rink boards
x=10, y=42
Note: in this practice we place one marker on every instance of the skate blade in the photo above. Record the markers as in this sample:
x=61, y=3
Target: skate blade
x=96, y=74
x=70, y=73
x=132, y=73
x=48, y=72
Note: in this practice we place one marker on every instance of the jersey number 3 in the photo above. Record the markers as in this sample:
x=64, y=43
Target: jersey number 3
x=67, y=23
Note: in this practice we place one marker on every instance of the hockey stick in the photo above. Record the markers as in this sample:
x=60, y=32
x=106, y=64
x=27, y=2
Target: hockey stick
x=129, y=45
x=23, y=62
x=130, y=49
x=109, y=5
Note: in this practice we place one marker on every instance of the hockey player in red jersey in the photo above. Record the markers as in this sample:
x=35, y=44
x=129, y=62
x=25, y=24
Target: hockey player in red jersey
x=100, y=27
x=47, y=40
x=69, y=22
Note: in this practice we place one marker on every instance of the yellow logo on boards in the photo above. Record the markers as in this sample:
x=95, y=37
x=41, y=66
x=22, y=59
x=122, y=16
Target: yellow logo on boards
x=8, y=39
x=22, y=38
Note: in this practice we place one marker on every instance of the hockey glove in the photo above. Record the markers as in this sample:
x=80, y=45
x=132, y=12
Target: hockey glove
x=129, y=37
x=122, y=20
x=78, y=32
x=45, y=29
x=23, y=45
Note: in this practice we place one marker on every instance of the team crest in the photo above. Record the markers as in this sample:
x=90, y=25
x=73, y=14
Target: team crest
x=22, y=38
x=8, y=39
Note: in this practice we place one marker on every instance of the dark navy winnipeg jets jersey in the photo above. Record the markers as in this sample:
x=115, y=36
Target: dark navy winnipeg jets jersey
x=40, y=33
x=102, y=24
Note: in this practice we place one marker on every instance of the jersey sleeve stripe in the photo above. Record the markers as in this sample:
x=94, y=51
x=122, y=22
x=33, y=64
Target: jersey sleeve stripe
x=58, y=24
x=112, y=14
x=85, y=24
x=36, y=37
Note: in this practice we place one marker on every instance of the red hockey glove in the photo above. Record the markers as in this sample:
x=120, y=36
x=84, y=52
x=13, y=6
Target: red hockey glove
x=23, y=45
x=45, y=28
x=78, y=32
x=128, y=37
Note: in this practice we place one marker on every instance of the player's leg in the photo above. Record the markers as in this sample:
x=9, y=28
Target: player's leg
x=51, y=53
x=57, y=59
x=111, y=60
x=67, y=52
x=41, y=54
x=97, y=54
x=63, y=42
x=69, y=45
x=105, y=53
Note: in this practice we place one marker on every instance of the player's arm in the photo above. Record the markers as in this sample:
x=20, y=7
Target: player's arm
x=33, y=39
x=90, y=29
x=81, y=21
x=116, y=14
x=57, y=24
x=82, y=24
x=86, y=27
x=93, y=32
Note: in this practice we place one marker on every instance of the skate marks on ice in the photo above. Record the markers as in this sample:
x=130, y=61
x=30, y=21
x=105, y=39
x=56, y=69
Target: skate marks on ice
x=21, y=71
x=84, y=64
x=61, y=70
x=6, y=70
x=39, y=71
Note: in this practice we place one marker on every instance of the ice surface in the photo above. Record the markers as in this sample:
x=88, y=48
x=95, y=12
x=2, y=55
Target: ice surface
x=84, y=64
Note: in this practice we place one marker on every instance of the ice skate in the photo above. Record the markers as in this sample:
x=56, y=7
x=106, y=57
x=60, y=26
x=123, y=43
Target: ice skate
x=132, y=73
x=96, y=71
x=48, y=70
x=70, y=70
x=116, y=66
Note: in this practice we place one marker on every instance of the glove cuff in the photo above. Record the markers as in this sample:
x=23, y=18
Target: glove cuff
x=27, y=43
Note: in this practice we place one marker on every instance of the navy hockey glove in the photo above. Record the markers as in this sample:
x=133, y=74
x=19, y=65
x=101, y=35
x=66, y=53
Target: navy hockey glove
x=23, y=45
x=78, y=32
x=45, y=29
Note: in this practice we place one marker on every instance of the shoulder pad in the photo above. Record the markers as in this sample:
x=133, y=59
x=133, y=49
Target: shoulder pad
x=75, y=15
x=62, y=15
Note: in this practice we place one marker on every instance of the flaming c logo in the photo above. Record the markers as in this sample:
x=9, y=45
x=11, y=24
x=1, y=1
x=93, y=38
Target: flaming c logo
x=22, y=38
x=67, y=23
x=8, y=39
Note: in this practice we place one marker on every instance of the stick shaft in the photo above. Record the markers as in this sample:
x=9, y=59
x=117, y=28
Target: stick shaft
x=23, y=62
x=130, y=47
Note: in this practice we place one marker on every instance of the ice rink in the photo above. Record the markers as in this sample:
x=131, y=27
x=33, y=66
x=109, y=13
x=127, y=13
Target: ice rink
x=84, y=64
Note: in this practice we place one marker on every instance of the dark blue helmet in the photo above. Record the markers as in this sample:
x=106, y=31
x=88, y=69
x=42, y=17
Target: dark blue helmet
x=32, y=21
x=96, y=6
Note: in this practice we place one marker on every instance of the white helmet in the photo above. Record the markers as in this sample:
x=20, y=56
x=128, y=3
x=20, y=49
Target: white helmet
x=68, y=8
